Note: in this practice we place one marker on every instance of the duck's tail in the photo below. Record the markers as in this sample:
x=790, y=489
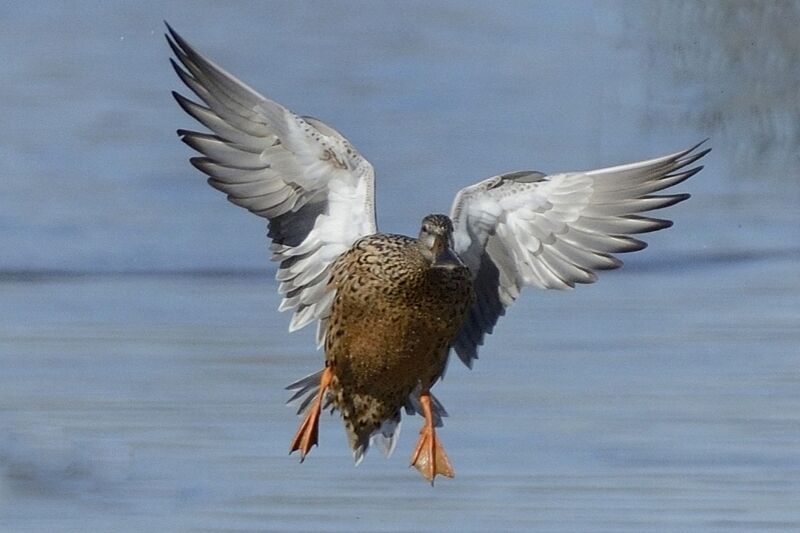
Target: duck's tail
x=385, y=436
x=306, y=390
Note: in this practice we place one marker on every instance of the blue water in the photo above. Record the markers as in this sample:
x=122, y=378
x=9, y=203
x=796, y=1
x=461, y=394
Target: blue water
x=143, y=359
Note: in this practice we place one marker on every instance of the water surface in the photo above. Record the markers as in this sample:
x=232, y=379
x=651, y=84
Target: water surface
x=143, y=357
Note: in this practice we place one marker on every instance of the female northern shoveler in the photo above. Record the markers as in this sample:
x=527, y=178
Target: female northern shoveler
x=390, y=308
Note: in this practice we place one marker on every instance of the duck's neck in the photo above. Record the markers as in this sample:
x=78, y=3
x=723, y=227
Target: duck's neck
x=438, y=253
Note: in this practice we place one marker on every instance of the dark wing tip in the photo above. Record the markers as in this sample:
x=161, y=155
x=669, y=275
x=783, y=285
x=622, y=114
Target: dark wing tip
x=179, y=70
x=678, y=198
x=633, y=244
x=657, y=224
x=698, y=145
x=662, y=201
x=172, y=35
x=182, y=49
x=687, y=174
x=172, y=38
x=195, y=139
x=179, y=98
x=199, y=162
x=703, y=152
x=185, y=104
x=691, y=158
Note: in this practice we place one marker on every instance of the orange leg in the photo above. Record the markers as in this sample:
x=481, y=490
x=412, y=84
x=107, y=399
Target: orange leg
x=429, y=457
x=306, y=435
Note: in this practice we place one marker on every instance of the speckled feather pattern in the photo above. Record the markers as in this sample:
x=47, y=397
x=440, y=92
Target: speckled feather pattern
x=391, y=324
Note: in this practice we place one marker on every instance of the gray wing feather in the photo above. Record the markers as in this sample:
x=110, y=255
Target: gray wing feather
x=528, y=229
x=304, y=177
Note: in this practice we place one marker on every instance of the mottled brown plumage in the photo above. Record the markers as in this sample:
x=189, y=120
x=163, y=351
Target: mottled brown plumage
x=391, y=324
x=398, y=304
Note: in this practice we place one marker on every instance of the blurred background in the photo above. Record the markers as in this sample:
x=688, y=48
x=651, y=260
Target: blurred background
x=142, y=359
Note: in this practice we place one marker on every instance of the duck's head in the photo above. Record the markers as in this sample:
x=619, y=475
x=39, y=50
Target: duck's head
x=436, y=241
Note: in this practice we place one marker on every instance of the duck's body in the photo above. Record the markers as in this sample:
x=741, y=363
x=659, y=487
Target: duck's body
x=399, y=303
x=393, y=318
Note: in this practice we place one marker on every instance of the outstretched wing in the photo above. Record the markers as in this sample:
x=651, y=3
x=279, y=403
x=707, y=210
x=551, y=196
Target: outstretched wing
x=304, y=177
x=529, y=229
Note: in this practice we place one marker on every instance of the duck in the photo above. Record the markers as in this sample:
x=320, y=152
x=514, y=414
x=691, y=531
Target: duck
x=390, y=309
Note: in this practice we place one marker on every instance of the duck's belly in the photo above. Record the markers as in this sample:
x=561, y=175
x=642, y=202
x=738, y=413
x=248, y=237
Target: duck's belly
x=384, y=343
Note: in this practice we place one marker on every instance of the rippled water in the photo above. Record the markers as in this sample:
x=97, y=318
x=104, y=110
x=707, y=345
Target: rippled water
x=143, y=361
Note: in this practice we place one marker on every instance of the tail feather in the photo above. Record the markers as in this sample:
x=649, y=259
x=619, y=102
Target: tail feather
x=413, y=407
x=306, y=390
x=385, y=436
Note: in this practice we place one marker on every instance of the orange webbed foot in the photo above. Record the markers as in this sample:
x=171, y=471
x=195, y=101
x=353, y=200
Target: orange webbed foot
x=429, y=457
x=306, y=436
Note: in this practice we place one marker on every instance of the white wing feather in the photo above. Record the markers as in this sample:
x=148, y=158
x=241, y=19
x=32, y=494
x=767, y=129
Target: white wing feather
x=529, y=229
x=315, y=189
